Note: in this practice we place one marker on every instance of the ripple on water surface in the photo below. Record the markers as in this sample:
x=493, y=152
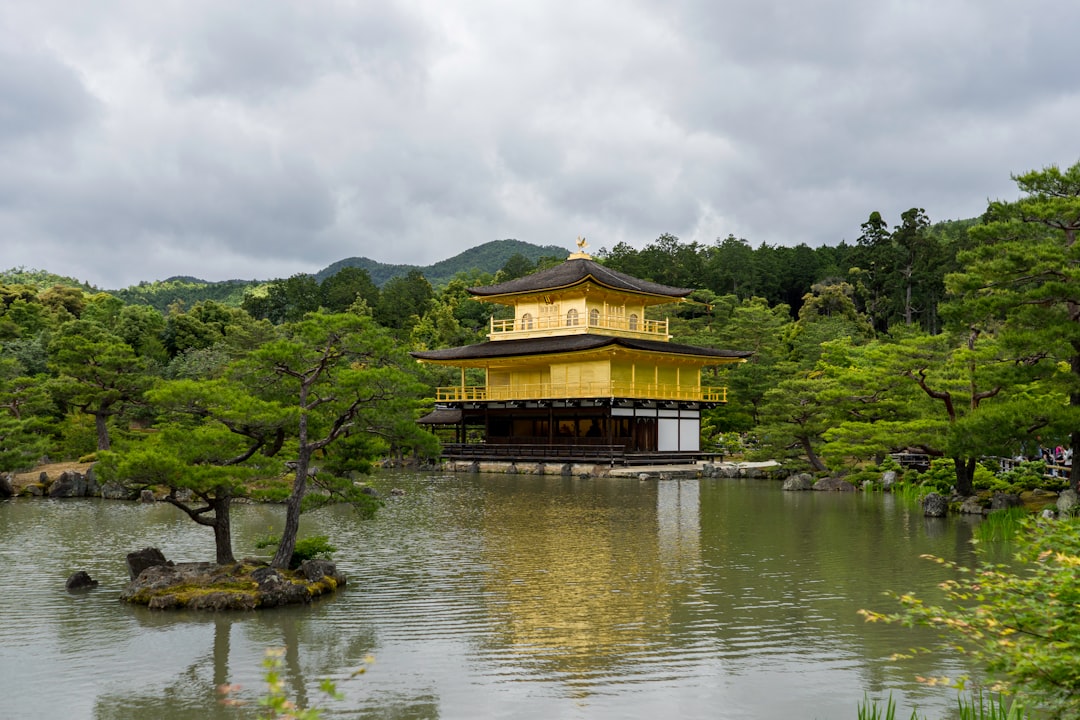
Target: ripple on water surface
x=491, y=596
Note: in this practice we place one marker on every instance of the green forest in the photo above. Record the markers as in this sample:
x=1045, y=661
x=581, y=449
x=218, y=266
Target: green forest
x=957, y=339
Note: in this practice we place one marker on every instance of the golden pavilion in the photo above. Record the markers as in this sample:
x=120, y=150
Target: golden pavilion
x=580, y=371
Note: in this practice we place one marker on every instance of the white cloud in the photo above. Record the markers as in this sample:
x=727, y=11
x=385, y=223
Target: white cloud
x=225, y=139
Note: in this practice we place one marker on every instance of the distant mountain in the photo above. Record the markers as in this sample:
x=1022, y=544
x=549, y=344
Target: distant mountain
x=489, y=257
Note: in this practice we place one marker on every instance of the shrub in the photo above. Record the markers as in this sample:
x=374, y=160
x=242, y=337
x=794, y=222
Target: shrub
x=940, y=477
x=308, y=548
x=1031, y=474
x=859, y=477
x=890, y=463
x=986, y=480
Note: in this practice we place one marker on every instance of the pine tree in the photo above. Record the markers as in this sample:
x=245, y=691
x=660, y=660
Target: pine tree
x=1023, y=275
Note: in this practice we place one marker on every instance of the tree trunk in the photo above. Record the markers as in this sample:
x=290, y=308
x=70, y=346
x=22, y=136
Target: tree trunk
x=1074, y=469
x=223, y=530
x=292, y=505
x=907, y=303
x=965, y=476
x=815, y=461
x=1074, y=437
x=102, y=427
x=222, y=630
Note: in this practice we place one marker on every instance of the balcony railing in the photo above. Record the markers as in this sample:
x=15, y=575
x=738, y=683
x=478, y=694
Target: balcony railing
x=565, y=391
x=509, y=328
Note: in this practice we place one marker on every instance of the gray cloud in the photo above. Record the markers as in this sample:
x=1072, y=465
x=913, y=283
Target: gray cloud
x=41, y=96
x=143, y=140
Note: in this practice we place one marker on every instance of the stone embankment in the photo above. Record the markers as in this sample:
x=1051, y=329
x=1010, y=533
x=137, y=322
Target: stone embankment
x=82, y=482
x=65, y=483
x=596, y=470
x=938, y=505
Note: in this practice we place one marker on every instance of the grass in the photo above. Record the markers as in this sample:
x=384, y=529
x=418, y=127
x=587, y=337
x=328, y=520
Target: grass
x=977, y=707
x=873, y=711
x=910, y=492
x=980, y=708
x=1001, y=525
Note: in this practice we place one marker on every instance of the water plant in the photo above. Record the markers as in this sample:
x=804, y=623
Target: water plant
x=981, y=708
x=976, y=706
x=1001, y=525
x=873, y=711
x=910, y=492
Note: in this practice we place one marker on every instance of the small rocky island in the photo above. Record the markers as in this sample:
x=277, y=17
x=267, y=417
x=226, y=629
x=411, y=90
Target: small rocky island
x=161, y=584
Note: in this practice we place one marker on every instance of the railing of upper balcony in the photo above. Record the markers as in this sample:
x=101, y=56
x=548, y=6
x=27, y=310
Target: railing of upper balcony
x=563, y=391
x=526, y=325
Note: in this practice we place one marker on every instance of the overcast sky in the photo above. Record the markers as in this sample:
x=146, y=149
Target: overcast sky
x=255, y=140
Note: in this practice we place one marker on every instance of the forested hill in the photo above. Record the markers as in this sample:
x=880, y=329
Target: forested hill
x=488, y=257
x=41, y=279
x=185, y=291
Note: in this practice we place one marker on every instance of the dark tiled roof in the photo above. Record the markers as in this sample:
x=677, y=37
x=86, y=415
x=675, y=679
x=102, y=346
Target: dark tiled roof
x=568, y=343
x=441, y=416
x=576, y=271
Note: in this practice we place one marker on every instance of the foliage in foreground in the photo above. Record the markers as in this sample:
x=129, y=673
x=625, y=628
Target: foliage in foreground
x=275, y=700
x=1019, y=621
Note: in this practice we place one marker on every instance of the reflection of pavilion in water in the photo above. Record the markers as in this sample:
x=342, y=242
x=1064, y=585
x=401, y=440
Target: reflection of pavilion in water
x=586, y=591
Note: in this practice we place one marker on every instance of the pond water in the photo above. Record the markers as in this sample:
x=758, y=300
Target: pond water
x=496, y=596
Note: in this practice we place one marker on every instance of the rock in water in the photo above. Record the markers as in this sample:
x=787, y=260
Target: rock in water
x=972, y=506
x=935, y=505
x=80, y=580
x=145, y=558
x=834, y=484
x=801, y=481
x=69, y=484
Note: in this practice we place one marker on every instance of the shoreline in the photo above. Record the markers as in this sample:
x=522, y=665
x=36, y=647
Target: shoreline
x=45, y=475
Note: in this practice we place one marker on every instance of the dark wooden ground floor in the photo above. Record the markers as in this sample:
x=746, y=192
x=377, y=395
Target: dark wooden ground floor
x=570, y=453
x=597, y=430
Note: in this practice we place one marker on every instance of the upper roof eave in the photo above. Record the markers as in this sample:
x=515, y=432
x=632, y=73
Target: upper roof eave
x=571, y=343
x=574, y=272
